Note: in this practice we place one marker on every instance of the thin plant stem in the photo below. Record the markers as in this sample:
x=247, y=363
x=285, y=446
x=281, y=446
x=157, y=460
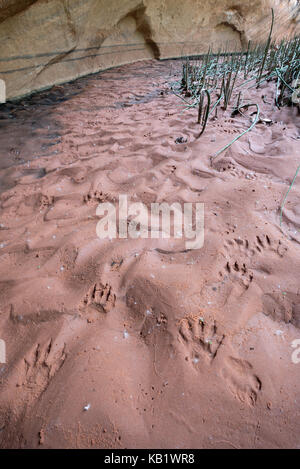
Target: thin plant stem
x=245, y=131
x=290, y=188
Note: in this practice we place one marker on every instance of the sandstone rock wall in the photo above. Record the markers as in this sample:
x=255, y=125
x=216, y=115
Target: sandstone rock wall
x=45, y=42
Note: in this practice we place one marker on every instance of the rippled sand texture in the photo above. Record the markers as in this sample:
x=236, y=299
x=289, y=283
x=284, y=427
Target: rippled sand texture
x=165, y=347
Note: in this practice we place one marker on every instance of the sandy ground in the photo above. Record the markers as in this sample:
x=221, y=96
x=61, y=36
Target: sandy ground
x=168, y=348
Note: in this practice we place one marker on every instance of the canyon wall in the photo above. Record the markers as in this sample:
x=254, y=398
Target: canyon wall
x=46, y=42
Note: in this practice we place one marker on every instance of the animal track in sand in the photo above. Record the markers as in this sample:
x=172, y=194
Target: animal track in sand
x=95, y=197
x=236, y=265
x=239, y=252
x=227, y=127
x=239, y=270
x=101, y=297
x=42, y=365
x=265, y=242
x=201, y=340
x=241, y=380
x=46, y=201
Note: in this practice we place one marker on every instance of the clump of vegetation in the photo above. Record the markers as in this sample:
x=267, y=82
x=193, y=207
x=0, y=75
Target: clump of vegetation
x=226, y=75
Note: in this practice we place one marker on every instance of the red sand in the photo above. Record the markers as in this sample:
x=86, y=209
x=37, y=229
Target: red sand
x=209, y=365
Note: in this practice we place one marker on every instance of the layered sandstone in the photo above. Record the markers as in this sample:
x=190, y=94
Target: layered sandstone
x=45, y=42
